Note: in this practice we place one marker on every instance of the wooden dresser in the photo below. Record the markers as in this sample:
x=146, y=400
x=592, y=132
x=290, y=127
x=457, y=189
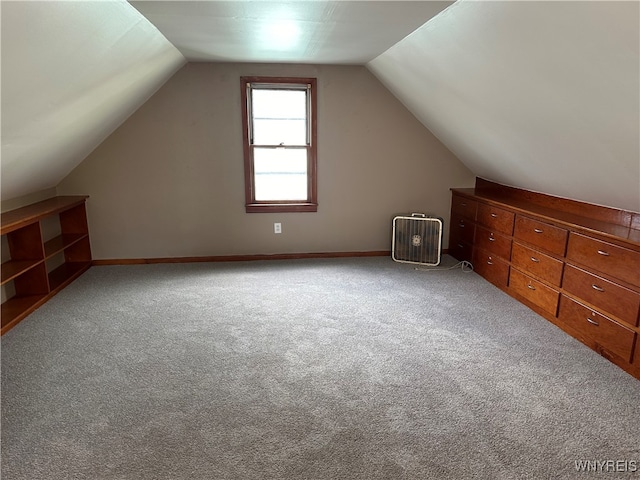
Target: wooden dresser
x=576, y=264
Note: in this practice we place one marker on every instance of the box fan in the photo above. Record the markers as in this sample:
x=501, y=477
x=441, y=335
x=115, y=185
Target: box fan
x=417, y=239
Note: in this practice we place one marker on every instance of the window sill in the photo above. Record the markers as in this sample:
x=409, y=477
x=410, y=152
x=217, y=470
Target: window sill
x=281, y=207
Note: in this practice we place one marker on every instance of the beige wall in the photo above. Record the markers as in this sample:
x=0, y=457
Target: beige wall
x=169, y=182
x=28, y=199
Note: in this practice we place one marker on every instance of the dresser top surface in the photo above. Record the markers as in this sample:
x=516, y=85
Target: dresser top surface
x=604, y=229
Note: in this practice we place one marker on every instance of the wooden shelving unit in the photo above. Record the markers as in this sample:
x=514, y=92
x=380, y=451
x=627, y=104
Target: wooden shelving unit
x=27, y=279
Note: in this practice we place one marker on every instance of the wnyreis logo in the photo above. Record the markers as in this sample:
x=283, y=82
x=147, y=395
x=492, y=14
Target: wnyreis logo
x=607, y=466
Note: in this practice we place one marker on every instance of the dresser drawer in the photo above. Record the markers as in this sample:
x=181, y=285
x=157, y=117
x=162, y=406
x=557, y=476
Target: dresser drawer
x=619, y=262
x=493, y=242
x=602, y=330
x=536, y=292
x=495, y=219
x=547, y=237
x=490, y=267
x=464, y=206
x=604, y=295
x=461, y=228
x=538, y=264
x=460, y=250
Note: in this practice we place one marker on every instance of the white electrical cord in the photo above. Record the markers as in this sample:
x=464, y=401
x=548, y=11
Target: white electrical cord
x=465, y=266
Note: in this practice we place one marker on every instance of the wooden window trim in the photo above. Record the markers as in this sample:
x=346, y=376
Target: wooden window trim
x=253, y=206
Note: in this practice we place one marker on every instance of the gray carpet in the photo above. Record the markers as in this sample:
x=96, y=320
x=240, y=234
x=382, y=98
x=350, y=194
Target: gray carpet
x=317, y=369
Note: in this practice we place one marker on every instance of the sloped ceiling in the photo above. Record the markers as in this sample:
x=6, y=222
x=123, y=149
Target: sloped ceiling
x=71, y=73
x=539, y=95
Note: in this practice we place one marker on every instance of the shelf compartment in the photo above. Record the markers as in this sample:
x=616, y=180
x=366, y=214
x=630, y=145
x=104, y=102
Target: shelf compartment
x=14, y=268
x=18, y=307
x=79, y=252
x=74, y=220
x=26, y=243
x=33, y=281
x=59, y=243
x=65, y=274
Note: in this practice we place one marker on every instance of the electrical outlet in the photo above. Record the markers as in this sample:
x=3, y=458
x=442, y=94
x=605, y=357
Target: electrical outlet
x=277, y=228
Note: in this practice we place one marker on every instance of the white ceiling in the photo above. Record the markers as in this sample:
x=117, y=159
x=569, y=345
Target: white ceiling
x=539, y=95
x=71, y=73
x=296, y=31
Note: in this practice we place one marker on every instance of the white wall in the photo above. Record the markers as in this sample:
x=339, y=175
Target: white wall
x=539, y=95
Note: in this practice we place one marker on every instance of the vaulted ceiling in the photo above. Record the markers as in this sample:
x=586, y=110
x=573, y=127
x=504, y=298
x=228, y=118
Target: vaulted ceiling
x=71, y=73
x=538, y=95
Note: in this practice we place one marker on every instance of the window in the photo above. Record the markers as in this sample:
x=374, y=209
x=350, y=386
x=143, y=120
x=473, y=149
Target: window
x=279, y=131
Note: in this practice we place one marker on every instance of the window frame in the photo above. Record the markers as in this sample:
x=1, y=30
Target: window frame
x=251, y=204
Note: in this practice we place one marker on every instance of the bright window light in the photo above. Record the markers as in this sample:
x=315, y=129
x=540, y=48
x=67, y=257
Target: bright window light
x=279, y=128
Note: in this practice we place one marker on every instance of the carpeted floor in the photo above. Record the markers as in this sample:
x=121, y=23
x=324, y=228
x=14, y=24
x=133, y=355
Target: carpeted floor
x=318, y=369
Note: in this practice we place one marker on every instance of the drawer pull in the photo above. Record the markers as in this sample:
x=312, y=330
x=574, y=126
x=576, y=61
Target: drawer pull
x=535, y=260
x=489, y=262
x=460, y=245
x=463, y=204
x=461, y=225
x=494, y=215
x=492, y=239
x=593, y=322
x=537, y=230
x=603, y=253
x=531, y=287
x=597, y=288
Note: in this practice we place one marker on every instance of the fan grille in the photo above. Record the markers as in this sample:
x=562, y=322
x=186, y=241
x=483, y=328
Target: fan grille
x=417, y=239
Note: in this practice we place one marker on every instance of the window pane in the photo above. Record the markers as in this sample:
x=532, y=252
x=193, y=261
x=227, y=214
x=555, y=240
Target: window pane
x=276, y=132
x=280, y=174
x=279, y=103
x=279, y=117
